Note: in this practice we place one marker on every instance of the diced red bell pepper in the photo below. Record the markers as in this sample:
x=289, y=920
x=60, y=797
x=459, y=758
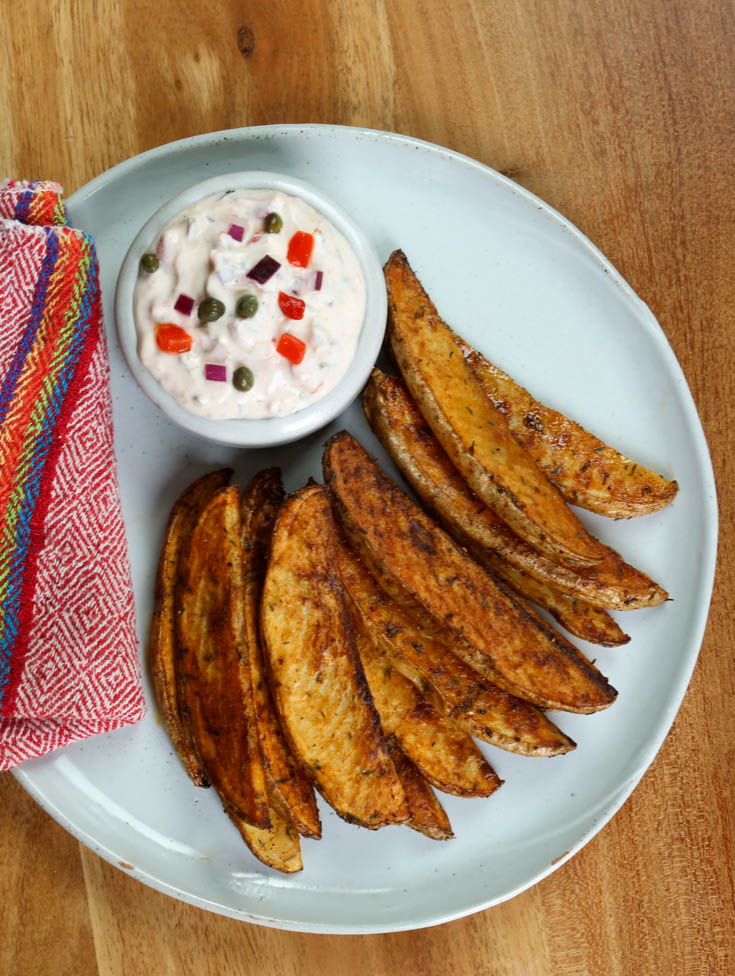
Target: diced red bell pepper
x=172, y=338
x=291, y=348
x=299, y=249
x=291, y=306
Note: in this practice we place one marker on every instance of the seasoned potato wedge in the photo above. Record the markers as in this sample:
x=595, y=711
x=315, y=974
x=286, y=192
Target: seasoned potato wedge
x=164, y=646
x=474, y=434
x=487, y=712
x=318, y=685
x=214, y=685
x=580, y=619
x=398, y=424
x=289, y=789
x=586, y=471
x=441, y=749
x=416, y=562
x=428, y=816
x=277, y=846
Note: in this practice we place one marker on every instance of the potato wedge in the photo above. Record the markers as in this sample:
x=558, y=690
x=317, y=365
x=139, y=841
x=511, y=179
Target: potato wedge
x=415, y=562
x=318, y=685
x=586, y=471
x=440, y=749
x=277, y=846
x=485, y=711
x=580, y=619
x=289, y=789
x=214, y=686
x=403, y=432
x=163, y=641
x=428, y=816
x=474, y=434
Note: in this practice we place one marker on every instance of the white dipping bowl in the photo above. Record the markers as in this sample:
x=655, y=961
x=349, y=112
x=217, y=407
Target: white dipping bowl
x=271, y=430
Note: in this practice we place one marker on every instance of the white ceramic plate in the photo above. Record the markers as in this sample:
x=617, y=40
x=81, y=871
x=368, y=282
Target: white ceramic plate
x=525, y=287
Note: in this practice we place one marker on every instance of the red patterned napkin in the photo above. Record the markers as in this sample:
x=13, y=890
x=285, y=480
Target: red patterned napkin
x=68, y=652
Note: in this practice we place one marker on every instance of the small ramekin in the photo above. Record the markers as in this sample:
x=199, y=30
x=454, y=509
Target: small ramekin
x=272, y=430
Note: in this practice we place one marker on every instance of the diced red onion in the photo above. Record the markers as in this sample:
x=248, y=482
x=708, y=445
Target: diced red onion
x=236, y=232
x=264, y=269
x=318, y=281
x=216, y=372
x=184, y=304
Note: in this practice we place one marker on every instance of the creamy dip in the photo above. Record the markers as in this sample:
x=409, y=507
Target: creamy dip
x=223, y=354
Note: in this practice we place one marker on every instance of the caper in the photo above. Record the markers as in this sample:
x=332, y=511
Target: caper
x=243, y=379
x=210, y=310
x=149, y=262
x=273, y=223
x=247, y=306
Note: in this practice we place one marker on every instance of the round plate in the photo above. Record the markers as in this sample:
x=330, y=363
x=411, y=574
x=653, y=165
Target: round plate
x=527, y=289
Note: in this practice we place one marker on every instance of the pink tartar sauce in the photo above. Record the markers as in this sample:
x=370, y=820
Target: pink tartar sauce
x=248, y=306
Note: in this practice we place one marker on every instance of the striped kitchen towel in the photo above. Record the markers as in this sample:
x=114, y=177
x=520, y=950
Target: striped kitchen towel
x=69, y=664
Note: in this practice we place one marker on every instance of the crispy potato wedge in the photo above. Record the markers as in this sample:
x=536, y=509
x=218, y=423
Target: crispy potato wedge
x=289, y=789
x=318, y=685
x=440, y=749
x=428, y=816
x=163, y=641
x=399, y=426
x=474, y=434
x=580, y=619
x=417, y=563
x=487, y=712
x=214, y=685
x=277, y=846
x=586, y=471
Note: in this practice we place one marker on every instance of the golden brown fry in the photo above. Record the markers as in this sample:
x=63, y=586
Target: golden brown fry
x=289, y=789
x=318, y=686
x=277, y=846
x=580, y=619
x=182, y=519
x=443, y=751
x=586, y=471
x=428, y=816
x=486, y=711
x=214, y=684
x=403, y=432
x=415, y=562
x=474, y=434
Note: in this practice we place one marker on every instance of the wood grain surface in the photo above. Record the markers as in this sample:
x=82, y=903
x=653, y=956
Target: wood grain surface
x=620, y=114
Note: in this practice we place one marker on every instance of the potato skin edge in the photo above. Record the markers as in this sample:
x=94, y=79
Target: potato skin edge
x=605, y=694
x=163, y=641
x=399, y=812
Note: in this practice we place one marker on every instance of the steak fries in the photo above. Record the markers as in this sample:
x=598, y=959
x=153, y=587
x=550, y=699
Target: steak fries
x=319, y=688
x=474, y=434
x=341, y=639
x=428, y=816
x=485, y=711
x=586, y=471
x=277, y=846
x=399, y=426
x=163, y=640
x=439, y=748
x=417, y=563
x=214, y=683
x=289, y=789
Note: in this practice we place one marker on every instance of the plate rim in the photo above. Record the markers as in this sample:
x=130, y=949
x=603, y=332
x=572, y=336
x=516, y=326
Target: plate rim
x=709, y=510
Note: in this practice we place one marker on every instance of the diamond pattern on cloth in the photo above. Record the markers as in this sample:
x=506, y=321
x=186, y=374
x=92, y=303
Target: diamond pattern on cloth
x=69, y=665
